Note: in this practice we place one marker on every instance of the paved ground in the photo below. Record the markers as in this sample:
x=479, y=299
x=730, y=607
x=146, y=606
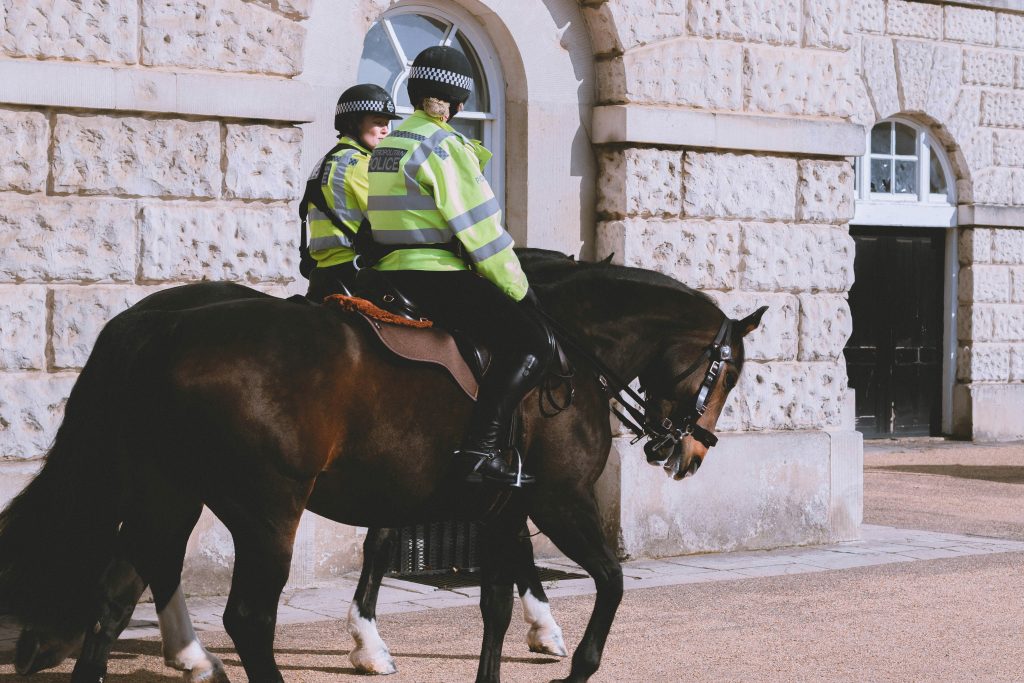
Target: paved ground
x=939, y=599
x=946, y=486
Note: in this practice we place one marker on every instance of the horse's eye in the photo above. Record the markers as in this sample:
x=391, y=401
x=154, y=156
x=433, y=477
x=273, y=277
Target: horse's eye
x=730, y=381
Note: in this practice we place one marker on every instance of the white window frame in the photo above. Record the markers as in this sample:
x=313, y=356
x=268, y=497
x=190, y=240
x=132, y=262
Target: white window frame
x=493, y=121
x=924, y=210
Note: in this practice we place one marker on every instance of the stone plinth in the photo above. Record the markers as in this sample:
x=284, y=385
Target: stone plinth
x=988, y=412
x=754, y=491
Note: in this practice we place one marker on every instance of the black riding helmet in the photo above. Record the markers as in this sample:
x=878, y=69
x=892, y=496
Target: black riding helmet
x=360, y=100
x=442, y=72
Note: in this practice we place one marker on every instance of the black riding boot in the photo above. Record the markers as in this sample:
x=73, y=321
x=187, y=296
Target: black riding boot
x=502, y=390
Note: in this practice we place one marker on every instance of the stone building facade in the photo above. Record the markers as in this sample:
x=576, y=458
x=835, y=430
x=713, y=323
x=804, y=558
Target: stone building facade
x=145, y=143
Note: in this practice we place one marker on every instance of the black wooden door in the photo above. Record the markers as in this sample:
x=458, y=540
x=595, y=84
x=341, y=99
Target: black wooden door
x=894, y=356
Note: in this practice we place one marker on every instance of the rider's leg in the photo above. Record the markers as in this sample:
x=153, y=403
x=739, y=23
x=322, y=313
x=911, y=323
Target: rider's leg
x=517, y=339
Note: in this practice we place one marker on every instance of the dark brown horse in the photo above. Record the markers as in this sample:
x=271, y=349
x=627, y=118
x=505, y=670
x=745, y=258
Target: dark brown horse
x=260, y=408
x=40, y=648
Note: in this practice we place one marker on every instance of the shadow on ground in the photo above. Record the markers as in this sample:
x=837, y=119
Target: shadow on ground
x=1003, y=474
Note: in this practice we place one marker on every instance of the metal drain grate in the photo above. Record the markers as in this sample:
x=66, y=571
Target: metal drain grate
x=436, y=547
x=448, y=580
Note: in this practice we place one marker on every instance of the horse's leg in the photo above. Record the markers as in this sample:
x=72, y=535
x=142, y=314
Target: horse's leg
x=371, y=655
x=182, y=648
x=545, y=635
x=157, y=550
x=263, y=528
x=573, y=524
x=497, y=574
x=119, y=590
x=149, y=552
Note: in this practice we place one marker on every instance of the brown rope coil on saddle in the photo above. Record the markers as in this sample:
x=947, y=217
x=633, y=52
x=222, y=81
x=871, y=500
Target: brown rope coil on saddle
x=370, y=310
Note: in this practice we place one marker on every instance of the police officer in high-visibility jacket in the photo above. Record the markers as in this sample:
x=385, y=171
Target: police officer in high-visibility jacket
x=361, y=118
x=432, y=209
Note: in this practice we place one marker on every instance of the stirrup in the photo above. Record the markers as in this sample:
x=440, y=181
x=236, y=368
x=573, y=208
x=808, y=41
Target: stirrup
x=478, y=474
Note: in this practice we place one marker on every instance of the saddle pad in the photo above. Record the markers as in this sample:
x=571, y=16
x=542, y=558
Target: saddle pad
x=416, y=342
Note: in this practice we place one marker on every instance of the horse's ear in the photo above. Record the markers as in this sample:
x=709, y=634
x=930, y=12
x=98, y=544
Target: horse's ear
x=750, y=323
x=607, y=259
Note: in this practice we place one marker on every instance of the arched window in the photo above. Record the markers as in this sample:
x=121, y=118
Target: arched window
x=904, y=179
x=400, y=34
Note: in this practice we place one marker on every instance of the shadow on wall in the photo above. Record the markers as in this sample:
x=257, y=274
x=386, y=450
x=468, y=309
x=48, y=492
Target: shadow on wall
x=583, y=161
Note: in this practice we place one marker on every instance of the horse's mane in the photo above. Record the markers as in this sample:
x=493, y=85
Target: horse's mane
x=583, y=273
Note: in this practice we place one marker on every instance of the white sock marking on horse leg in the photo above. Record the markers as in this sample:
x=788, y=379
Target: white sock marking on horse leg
x=182, y=649
x=371, y=654
x=545, y=635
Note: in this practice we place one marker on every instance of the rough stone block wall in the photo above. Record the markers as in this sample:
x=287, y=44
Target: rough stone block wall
x=957, y=69
x=750, y=230
x=99, y=209
x=991, y=306
x=765, y=56
x=217, y=35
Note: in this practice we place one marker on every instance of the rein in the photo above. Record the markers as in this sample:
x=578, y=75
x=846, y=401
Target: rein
x=615, y=388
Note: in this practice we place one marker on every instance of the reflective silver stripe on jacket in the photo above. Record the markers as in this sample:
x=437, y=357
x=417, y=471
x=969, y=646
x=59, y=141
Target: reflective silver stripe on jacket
x=500, y=242
x=401, y=202
x=419, y=157
x=417, y=236
x=337, y=183
x=414, y=199
x=474, y=215
x=330, y=242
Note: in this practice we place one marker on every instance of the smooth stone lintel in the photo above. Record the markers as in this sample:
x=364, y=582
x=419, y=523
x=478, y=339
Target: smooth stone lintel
x=990, y=216
x=649, y=125
x=1012, y=5
x=140, y=89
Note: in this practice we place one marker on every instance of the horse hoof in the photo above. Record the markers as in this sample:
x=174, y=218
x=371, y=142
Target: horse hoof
x=25, y=654
x=547, y=641
x=217, y=674
x=379, y=663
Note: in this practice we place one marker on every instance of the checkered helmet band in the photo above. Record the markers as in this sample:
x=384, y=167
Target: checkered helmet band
x=363, y=106
x=431, y=73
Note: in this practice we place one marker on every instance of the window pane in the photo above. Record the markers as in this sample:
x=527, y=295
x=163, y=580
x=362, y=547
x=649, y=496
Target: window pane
x=905, y=139
x=881, y=143
x=478, y=99
x=937, y=179
x=906, y=177
x=379, y=63
x=881, y=172
x=468, y=127
x=416, y=33
x=402, y=96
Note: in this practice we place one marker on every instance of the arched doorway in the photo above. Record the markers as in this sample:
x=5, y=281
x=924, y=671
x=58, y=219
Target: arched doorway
x=901, y=355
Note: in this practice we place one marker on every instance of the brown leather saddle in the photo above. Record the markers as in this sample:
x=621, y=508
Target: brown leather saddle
x=417, y=339
x=399, y=325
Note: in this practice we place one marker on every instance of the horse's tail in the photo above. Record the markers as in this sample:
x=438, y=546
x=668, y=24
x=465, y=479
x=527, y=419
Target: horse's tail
x=58, y=535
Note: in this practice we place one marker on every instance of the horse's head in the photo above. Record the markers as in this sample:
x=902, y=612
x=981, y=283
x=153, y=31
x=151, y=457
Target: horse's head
x=686, y=389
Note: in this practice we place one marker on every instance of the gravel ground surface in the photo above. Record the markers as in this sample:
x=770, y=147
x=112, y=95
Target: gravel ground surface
x=952, y=486
x=956, y=619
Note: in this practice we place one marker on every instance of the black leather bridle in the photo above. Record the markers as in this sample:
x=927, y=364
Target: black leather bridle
x=717, y=354
x=637, y=408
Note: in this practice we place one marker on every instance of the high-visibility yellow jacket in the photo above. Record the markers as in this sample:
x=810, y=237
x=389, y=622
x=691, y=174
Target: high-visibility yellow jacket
x=345, y=187
x=426, y=188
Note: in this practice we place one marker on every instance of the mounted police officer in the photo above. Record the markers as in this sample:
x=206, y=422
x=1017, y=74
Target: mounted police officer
x=437, y=220
x=339, y=186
